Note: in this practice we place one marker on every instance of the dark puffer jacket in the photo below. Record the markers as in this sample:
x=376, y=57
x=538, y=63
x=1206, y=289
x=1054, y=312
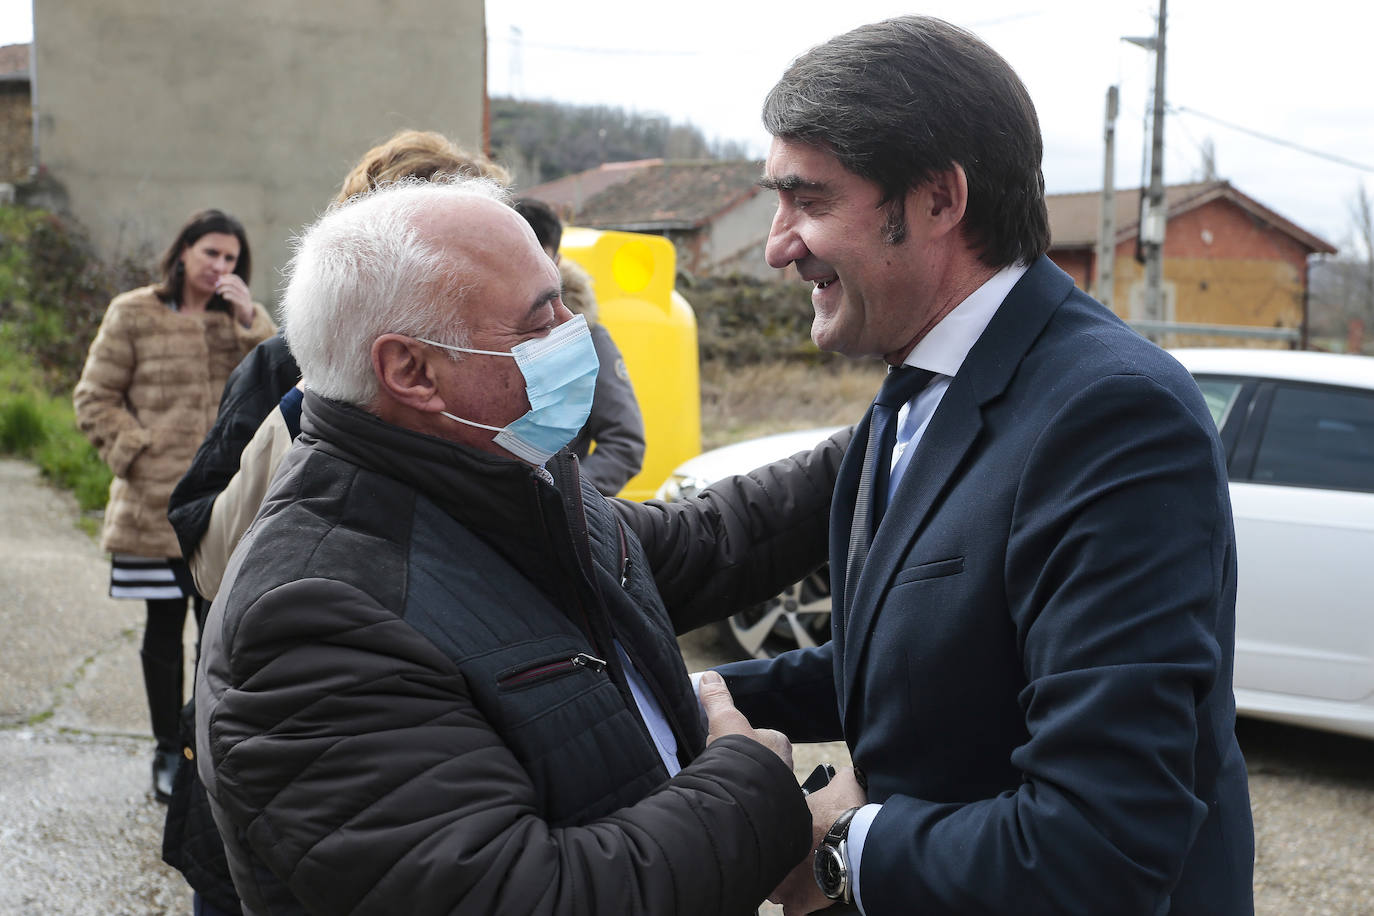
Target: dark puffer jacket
x=397, y=713
x=253, y=391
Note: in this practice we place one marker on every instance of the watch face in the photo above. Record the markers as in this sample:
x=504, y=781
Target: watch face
x=830, y=871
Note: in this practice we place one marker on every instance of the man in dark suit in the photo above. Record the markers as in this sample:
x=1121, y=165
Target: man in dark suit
x=1032, y=555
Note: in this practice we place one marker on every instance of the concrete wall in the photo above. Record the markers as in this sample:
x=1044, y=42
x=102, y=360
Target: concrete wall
x=738, y=237
x=150, y=110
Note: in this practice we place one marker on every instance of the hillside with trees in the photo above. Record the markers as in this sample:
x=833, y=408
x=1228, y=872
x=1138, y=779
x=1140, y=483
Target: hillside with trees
x=541, y=141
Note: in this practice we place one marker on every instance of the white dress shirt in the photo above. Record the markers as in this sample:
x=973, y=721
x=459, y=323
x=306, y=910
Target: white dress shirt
x=942, y=351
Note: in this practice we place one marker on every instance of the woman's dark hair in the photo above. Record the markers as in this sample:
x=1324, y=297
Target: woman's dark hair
x=901, y=100
x=202, y=223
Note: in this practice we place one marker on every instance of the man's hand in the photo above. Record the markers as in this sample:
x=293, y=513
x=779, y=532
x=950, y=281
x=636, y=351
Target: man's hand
x=722, y=718
x=798, y=893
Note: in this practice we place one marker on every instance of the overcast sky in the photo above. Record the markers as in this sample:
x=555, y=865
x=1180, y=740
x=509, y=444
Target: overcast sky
x=1300, y=73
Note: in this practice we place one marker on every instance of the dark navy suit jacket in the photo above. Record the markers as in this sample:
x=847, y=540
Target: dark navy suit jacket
x=1035, y=674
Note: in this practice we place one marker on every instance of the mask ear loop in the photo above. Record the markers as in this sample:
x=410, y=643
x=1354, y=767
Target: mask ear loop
x=444, y=346
x=495, y=429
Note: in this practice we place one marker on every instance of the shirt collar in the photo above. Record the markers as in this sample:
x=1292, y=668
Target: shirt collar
x=946, y=345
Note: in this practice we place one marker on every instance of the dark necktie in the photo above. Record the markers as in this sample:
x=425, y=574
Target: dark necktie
x=899, y=387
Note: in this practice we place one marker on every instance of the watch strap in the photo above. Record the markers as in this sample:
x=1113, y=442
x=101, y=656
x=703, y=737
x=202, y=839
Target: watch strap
x=840, y=829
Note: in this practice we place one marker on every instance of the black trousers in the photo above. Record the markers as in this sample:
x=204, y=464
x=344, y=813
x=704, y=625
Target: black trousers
x=163, y=665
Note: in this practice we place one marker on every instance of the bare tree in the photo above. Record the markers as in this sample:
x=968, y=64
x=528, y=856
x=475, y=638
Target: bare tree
x=1208, y=151
x=1362, y=215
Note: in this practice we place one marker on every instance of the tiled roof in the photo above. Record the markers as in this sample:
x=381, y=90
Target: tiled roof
x=14, y=60
x=569, y=193
x=657, y=195
x=1074, y=218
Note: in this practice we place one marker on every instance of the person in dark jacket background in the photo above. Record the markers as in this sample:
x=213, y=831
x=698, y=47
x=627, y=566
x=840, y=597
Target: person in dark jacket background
x=616, y=425
x=438, y=676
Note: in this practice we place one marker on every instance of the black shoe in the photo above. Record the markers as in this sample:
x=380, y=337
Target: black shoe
x=165, y=765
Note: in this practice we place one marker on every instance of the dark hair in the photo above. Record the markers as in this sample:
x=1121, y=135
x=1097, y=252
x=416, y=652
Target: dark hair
x=200, y=224
x=548, y=228
x=901, y=100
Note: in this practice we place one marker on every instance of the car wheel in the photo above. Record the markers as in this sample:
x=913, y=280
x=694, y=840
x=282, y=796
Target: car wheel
x=799, y=617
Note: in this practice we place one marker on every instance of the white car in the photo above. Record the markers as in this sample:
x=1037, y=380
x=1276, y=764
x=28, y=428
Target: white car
x=800, y=616
x=1298, y=428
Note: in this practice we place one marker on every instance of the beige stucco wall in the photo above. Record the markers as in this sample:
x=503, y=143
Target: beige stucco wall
x=148, y=110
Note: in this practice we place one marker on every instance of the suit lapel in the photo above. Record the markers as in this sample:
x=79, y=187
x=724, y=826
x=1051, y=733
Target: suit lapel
x=934, y=467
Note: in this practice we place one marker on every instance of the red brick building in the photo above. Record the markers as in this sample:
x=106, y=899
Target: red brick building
x=1228, y=259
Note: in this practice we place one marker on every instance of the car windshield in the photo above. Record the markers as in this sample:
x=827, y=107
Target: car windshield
x=1220, y=395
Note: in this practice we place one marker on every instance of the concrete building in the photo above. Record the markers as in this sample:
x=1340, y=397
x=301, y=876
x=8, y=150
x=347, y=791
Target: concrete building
x=147, y=112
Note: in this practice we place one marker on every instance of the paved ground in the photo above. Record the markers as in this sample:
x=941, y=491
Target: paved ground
x=80, y=833
x=79, y=829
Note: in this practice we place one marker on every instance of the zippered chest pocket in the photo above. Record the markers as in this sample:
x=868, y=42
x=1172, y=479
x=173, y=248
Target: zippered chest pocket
x=534, y=682
x=553, y=704
x=529, y=674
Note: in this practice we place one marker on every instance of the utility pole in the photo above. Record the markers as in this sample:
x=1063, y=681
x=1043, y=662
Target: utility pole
x=1106, y=230
x=1152, y=224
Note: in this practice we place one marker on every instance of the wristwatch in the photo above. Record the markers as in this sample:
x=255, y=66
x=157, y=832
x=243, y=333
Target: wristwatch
x=831, y=862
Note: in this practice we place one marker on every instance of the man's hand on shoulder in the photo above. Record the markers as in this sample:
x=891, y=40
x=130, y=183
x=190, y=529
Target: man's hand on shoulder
x=799, y=893
x=722, y=718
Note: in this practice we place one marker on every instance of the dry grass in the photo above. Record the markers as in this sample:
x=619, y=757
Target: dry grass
x=755, y=400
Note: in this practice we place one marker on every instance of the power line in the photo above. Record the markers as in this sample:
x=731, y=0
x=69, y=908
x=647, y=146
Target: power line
x=1277, y=140
x=582, y=49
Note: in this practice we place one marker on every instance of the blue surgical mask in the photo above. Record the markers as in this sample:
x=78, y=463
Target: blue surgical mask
x=560, y=379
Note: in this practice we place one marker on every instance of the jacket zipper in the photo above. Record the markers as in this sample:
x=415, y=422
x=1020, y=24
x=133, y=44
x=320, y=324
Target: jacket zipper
x=580, y=660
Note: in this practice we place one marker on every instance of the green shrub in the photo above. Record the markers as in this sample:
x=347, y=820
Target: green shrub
x=53, y=294
x=742, y=321
x=21, y=425
x=66, y=458
x=41, y=427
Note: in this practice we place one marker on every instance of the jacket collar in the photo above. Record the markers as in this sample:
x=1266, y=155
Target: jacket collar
x=505, y=501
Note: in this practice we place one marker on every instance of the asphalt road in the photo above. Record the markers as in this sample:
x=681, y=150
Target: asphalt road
x=80, y=832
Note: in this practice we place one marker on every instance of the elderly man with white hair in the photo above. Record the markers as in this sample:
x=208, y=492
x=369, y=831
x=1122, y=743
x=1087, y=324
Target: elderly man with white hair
x=440, y=675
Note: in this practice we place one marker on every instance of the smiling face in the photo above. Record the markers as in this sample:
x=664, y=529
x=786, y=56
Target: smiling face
x=871, y=298
x=207, y=259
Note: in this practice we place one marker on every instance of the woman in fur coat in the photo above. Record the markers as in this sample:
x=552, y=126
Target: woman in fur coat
x=147, y=395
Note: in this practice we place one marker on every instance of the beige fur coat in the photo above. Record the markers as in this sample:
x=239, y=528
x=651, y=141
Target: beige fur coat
x=147, y=396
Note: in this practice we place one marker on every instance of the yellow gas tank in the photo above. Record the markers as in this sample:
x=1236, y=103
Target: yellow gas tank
x=656, y=331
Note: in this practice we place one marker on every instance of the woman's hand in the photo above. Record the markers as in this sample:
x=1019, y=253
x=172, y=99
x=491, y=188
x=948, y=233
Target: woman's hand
x=234, y=291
